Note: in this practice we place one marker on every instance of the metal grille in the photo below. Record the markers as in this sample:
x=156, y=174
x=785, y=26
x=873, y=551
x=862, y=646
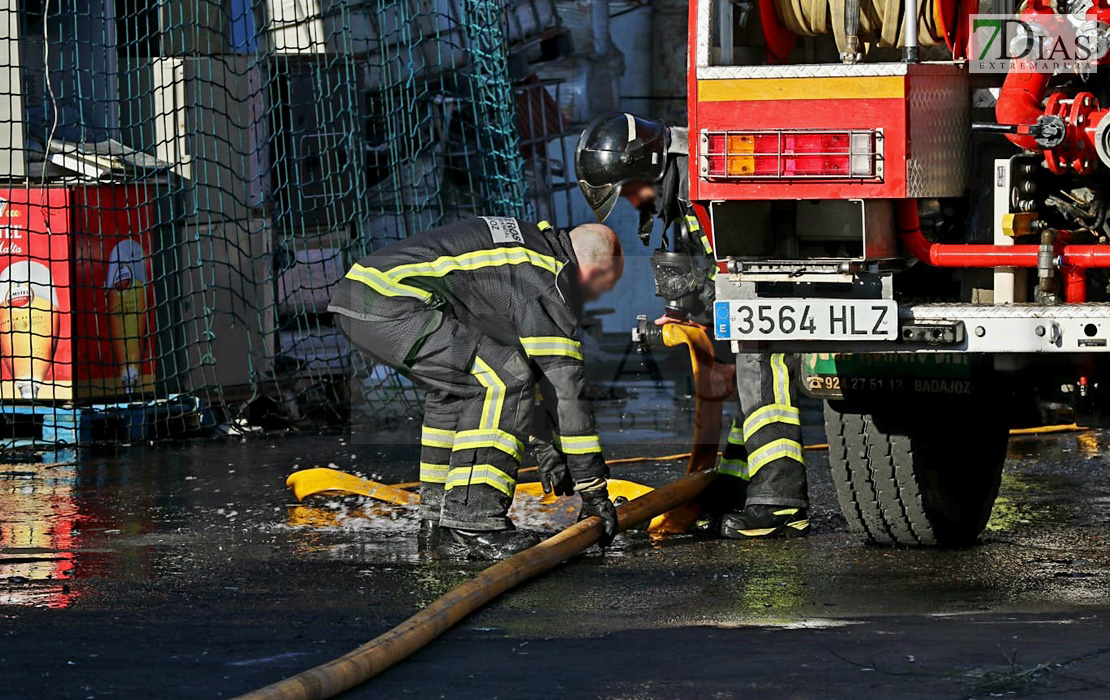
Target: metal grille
x=790, y=154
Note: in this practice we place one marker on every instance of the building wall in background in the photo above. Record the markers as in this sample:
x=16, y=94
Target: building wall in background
x=631, y=30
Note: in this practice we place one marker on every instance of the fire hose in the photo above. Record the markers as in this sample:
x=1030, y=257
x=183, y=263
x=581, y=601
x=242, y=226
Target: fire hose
x=382, y=652
x=712, y=387
x=883, y=21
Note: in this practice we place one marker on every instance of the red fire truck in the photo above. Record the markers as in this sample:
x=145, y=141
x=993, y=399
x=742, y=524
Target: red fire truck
x=932, y=237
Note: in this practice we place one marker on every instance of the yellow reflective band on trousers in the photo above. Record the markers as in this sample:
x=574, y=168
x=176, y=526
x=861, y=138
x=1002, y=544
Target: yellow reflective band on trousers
x=780, y=379
x=783, y=448
x=495, y=394
x=734, y=467
x=578, y=444
x=544, y=226
x=391, y=282
x=766, y=415
x=551, y=346
x=481, y=474
x=433, y=473
x=436, y=437
x=735, y=434
x=498, y=439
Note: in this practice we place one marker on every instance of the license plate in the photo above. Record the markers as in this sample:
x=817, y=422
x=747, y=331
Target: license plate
x=806, y=319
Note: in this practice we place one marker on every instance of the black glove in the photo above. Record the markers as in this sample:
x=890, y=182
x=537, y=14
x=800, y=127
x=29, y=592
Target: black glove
x=554, y=474
x=595, y=501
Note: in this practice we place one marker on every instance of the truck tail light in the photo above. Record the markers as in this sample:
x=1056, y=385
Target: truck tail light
x=786, y=154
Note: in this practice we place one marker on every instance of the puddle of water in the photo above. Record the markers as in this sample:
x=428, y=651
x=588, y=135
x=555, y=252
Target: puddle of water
x=38, y=516
x=190, y=511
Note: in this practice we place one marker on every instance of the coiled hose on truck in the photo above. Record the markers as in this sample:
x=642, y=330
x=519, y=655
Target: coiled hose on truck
x=880, y=21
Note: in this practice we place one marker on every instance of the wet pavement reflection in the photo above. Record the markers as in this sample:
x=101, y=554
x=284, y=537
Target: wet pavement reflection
x=196, y=559
x=38, y=520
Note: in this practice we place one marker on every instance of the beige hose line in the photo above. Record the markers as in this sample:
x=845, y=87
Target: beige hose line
x=380, y=653
x=881, y=21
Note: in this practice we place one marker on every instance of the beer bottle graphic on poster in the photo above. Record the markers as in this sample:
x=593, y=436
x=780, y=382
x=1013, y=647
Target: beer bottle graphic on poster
x=28, y=324
x=127, y=309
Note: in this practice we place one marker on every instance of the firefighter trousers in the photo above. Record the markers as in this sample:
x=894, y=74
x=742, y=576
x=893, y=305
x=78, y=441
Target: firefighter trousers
x=477, y=411
x=763, y=457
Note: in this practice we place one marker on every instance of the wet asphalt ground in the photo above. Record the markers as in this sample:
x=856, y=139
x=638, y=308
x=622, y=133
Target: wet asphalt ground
x=189, y=571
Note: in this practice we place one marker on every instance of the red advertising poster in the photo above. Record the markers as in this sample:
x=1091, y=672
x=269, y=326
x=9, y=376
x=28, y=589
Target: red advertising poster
x=75, y=296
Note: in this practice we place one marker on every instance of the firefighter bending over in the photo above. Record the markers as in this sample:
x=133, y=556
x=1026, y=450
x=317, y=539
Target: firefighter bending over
x=762, y=488
x=478, y=313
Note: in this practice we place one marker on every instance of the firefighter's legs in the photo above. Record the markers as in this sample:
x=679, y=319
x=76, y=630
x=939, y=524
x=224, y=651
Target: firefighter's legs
x=771, y=435
x=728, y=492
x=734, y=460
x=489, y=441
x=437, y=438
x=479, y=411
x=772, y=429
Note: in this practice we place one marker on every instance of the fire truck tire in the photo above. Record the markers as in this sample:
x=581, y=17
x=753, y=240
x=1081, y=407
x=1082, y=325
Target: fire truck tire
x=908, y=475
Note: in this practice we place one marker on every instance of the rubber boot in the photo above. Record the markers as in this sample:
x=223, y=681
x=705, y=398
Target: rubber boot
x=765, y=521
x=484, y=545
x=725, y=495
x=428, y=535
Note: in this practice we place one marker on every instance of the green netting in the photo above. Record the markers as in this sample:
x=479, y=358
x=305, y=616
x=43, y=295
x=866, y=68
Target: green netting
x=186, y=180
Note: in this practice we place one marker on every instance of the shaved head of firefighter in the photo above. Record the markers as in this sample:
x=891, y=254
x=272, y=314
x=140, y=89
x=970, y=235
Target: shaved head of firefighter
x=600, y=258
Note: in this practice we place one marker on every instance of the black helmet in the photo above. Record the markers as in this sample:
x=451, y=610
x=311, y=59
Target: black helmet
x=617, y=148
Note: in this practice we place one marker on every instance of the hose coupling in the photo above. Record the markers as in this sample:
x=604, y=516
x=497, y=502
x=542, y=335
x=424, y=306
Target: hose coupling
x=1047, y=262
x=647, y=335
x=851, y=53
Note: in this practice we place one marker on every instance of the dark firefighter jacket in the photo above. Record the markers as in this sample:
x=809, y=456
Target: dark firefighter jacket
x=514, y=281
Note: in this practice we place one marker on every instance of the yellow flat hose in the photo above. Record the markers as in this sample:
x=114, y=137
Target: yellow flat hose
x=710, y=390
x=317, y=480
x=638, y=460
x=370, y=659
x=708, y=393
x=1047, y=429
